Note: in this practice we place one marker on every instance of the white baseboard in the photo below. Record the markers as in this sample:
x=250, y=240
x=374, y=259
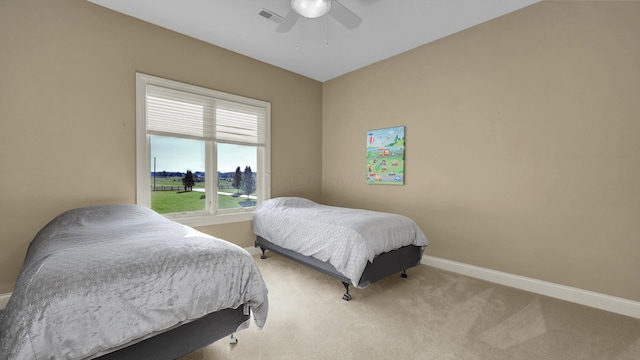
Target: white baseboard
x=4, y=299
x=567, y=293
x=579, y=296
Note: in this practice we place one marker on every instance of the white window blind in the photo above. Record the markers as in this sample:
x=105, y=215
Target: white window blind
x=174, y=112
x=240, y=123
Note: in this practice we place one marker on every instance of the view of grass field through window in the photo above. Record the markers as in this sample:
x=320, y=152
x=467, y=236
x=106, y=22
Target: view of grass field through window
x=178, y=178
x=169, y=195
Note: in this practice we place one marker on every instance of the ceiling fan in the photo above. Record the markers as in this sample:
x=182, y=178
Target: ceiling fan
x=315, y=8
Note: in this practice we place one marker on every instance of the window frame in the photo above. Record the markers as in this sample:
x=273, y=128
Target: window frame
x=211, y=215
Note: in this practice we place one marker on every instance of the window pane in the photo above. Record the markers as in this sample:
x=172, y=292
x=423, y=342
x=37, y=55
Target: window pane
x=177, y=174
x=237, y=180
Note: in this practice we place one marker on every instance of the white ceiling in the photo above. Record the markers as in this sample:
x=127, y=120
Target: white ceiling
x=320, y=48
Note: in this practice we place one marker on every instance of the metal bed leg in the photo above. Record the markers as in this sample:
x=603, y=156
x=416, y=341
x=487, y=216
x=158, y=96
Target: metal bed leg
x=404, y=274
x=263, y=256
x=346, y=296
x=233, y=339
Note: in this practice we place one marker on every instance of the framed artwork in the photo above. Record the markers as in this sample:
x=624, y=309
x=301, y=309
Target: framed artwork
x=385, y=156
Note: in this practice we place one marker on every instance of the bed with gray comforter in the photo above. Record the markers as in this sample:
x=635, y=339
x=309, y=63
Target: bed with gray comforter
x=97, y=279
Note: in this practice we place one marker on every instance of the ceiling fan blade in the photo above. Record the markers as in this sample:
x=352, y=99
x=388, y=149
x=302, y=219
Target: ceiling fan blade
x=344, y=16
x=287, y=24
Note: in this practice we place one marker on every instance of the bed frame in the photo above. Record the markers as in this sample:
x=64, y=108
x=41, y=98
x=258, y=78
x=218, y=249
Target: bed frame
x=185, y=338
x=385, y=264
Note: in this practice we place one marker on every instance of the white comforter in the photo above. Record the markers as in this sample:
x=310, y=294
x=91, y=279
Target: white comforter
x=98, y=278
x=346, y=238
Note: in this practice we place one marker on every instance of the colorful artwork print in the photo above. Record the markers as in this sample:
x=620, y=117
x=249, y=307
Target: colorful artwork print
x=385, y=156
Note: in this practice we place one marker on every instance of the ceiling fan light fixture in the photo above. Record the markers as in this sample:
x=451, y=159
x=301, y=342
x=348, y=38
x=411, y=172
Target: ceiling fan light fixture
x=311, y=8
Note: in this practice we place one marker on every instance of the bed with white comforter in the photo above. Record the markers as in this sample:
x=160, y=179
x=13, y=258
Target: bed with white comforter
x=347, y=238
x=99, y=278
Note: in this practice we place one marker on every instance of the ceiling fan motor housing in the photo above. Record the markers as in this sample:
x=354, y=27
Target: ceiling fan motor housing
x=311, y=8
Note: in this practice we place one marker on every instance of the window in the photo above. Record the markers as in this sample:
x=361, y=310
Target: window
x=202, y=155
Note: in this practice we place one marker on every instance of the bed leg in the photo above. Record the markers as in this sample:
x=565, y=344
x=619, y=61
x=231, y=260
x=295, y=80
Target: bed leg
x=404, y=274
x=233, y=339
x=346, y=296
x=263, y=256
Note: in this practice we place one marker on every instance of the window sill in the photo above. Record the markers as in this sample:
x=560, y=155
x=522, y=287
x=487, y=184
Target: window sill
x=206, y=220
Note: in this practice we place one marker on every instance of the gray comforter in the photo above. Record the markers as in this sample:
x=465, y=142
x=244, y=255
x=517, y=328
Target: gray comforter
x=99, y=278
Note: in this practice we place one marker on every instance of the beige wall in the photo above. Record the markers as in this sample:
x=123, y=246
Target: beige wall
x=522, y=133
x=523, y=143
x=67, y=113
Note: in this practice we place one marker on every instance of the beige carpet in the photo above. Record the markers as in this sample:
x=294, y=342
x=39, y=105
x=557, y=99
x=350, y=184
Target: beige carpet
x=432, y=314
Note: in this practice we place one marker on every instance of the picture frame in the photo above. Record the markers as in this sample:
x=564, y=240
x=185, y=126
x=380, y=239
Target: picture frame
x=385, y=156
